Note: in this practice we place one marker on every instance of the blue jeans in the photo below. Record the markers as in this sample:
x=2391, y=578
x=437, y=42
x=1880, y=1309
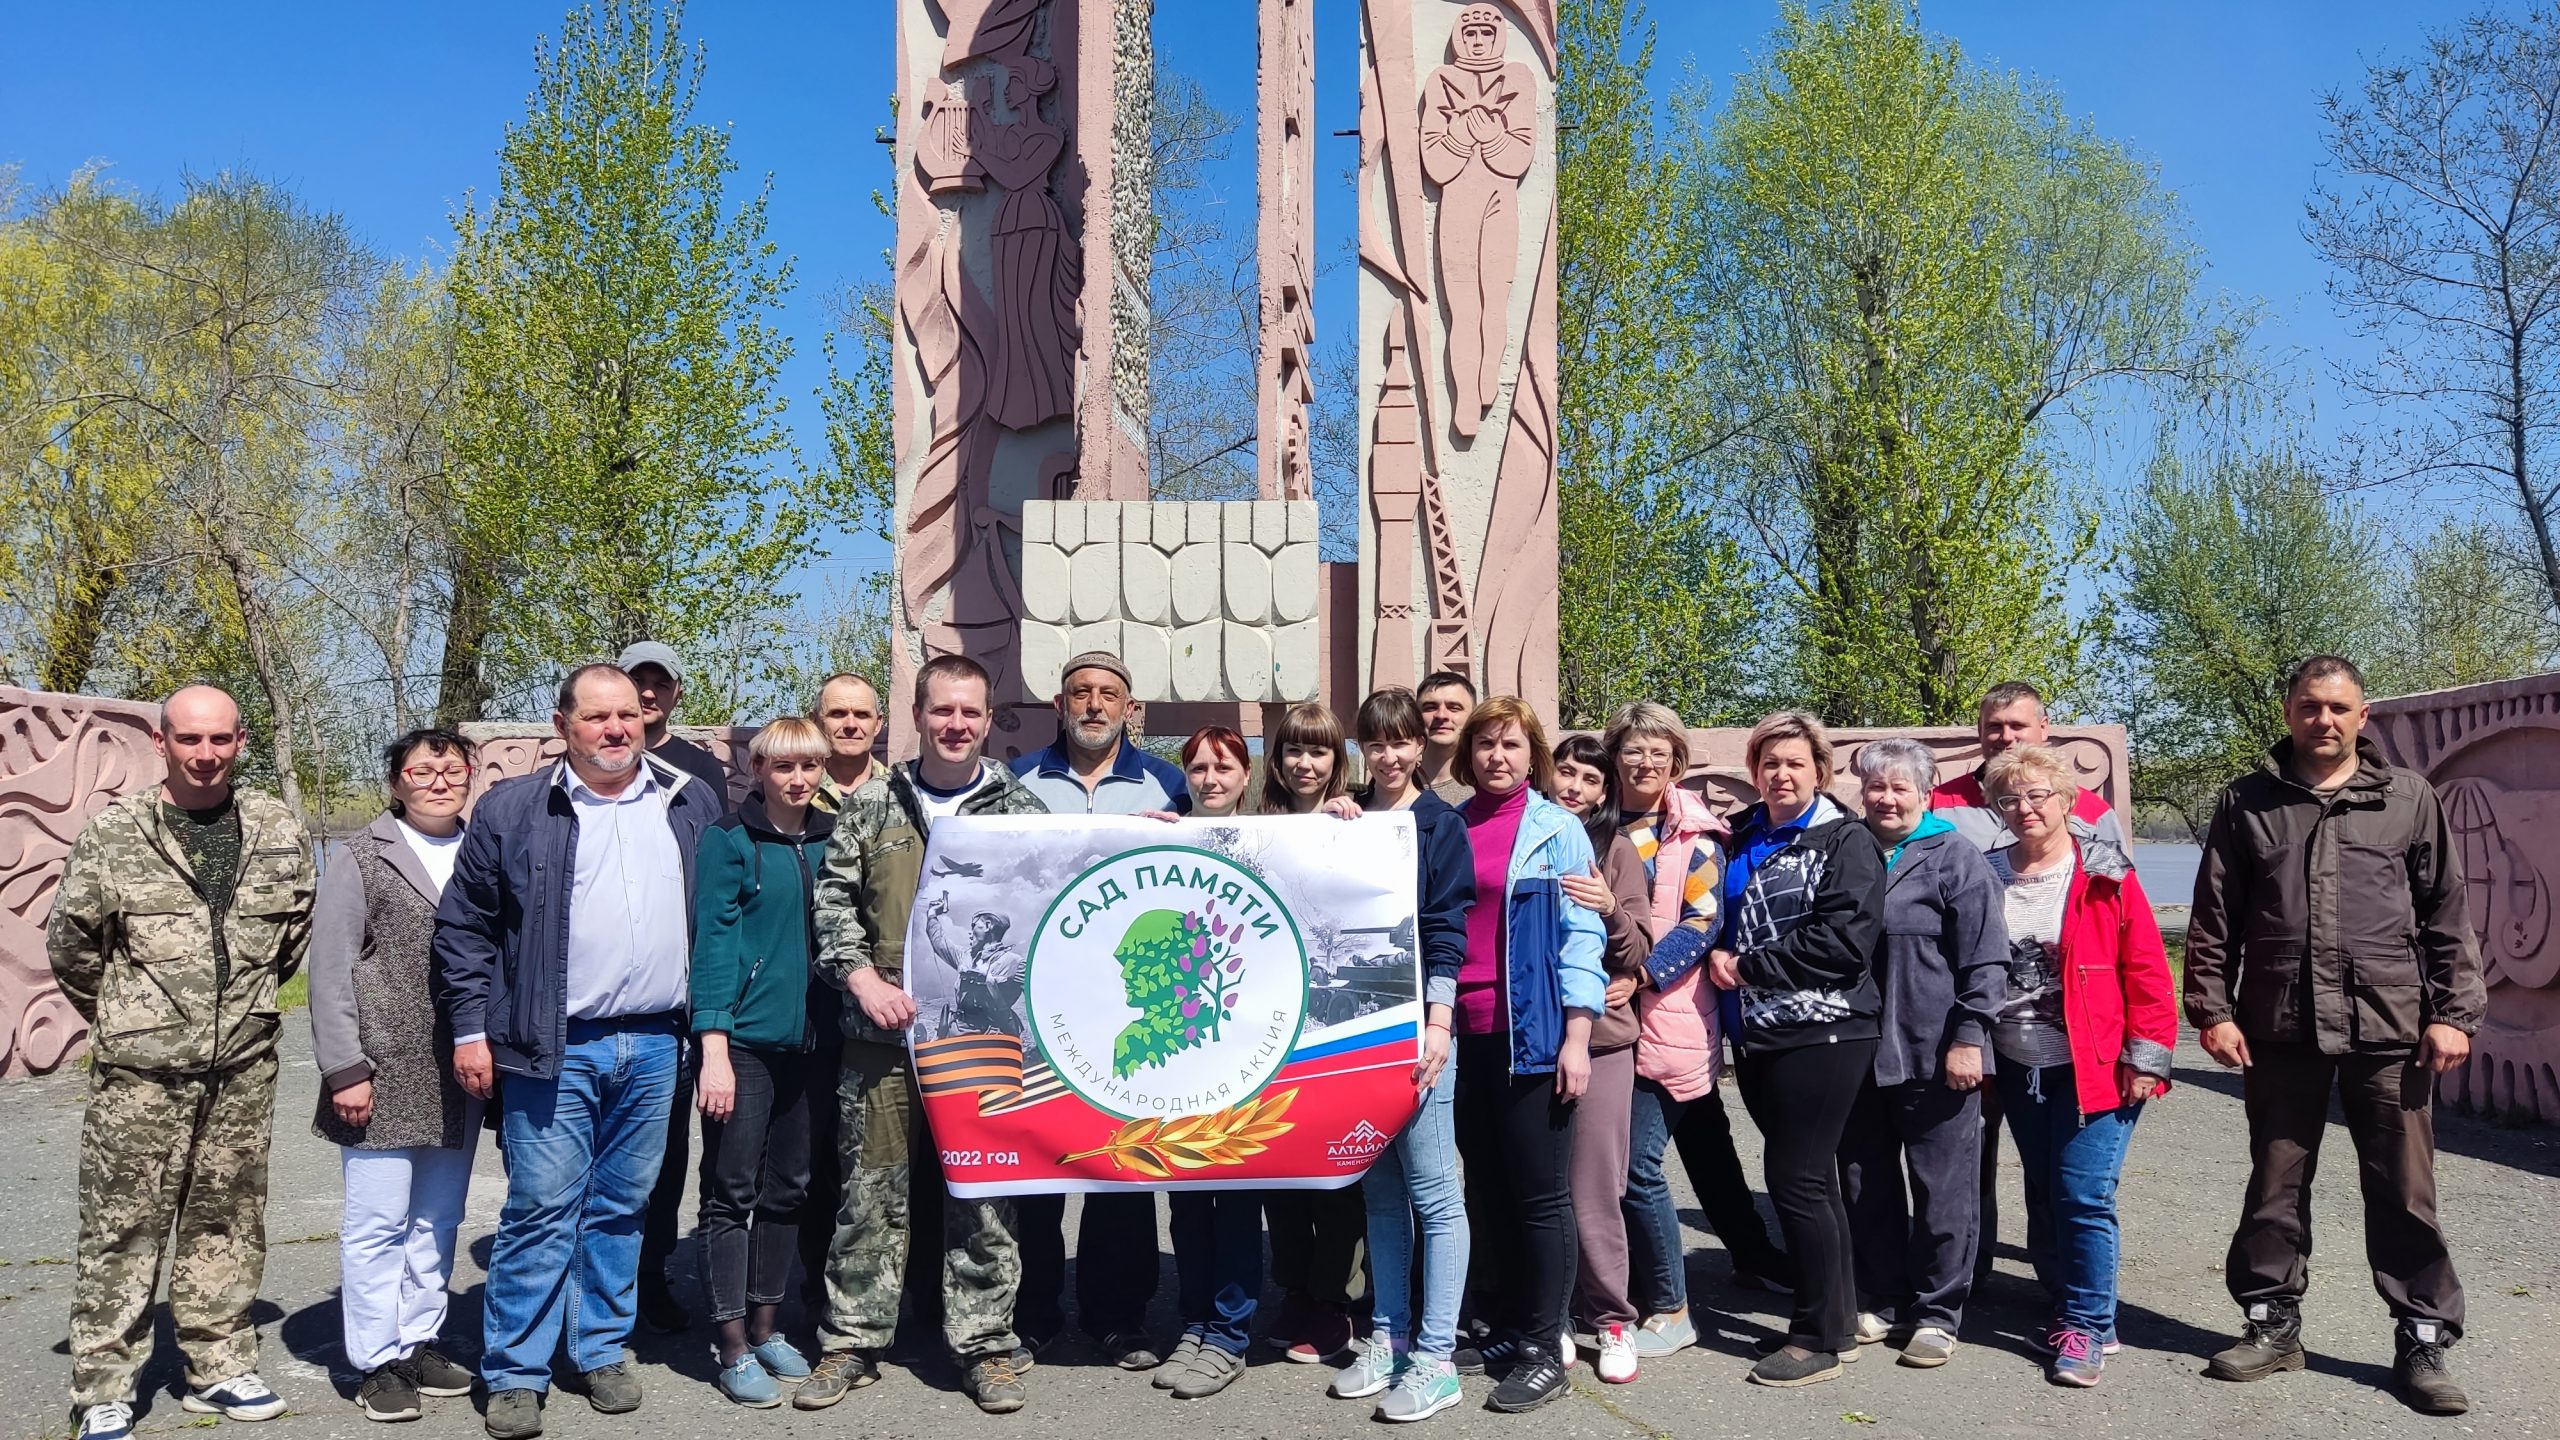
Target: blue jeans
x=1657, y=1254
x=1418, y=1175
x=2072, y=1164
x=582, y=1151
x=1217, y=1258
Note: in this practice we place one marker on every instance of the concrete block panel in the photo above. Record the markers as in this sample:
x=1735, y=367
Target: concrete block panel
x=1101, y=521
x=1196, y=653
x=1093, y=579
x=1148, y=652
x=1044, y=582
x=1239, y=526
x=1294, y=661
x=1248, y=662
x=1146, y=582
x=1295, y=589
x=1194, y=583
x=1044, y=654
x=1039, y=519
x=1246, y=579
x=1305, y=525
x=1270, y=525
x=1069, y=525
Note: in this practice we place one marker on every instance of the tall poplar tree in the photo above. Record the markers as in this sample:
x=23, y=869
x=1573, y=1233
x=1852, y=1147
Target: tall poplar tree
x=621, y=466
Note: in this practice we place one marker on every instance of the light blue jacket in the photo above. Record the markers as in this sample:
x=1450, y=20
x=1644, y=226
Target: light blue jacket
x=1553, y=946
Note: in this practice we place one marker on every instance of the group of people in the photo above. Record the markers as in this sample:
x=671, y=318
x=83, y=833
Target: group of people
x=589, y=957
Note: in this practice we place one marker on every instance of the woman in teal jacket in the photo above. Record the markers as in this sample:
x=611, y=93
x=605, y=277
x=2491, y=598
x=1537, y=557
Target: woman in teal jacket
x=754, y=877
x=1528, y=990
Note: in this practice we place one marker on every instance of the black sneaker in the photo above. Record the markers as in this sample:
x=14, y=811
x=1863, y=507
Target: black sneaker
x=1128, y=1349
x=1532, y=1383
x=2270, y=1341
x=1468, y=1357
x=659, y=1310
x=390, y=1393
x=2419, y=1373
x=438, y=1377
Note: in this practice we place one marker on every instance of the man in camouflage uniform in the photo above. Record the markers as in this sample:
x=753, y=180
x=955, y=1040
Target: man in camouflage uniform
x=865, y=894
x=182, y=908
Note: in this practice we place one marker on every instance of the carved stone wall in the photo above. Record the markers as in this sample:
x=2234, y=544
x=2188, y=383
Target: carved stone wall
x=2493, y=754
x=1457, y=337
x=1203, y=601
x=1284, y=246
x=1015, y=288
x=63, y=758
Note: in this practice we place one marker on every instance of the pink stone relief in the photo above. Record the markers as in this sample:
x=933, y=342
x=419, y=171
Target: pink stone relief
x=2493, y=754
x=63, y=758
x=1284, y=239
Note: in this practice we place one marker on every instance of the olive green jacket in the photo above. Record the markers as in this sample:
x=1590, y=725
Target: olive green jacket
x=134, y=946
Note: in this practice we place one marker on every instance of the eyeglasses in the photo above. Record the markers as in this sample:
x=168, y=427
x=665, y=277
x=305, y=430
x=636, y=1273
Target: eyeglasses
x=1645, y=759
x=2026, y=800
x=425, y=775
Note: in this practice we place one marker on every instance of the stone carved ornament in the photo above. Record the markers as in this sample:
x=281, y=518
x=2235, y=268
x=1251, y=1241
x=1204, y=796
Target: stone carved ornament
x=63, y=758
x=502, y=750
x=2493, y=754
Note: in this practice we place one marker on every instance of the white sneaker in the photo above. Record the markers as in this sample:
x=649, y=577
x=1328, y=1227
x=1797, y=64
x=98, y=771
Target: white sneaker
x=1873, y=1328
x=242, y=1397
x=1566, y=1353
x=112, y=1420
x=1617, y=1355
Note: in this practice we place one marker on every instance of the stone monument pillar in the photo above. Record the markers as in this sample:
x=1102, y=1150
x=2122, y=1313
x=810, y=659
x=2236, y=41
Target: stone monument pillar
x=1020, y=359
x=1457, y=321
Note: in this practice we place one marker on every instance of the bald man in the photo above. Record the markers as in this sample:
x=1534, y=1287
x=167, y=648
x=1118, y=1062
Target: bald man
x=182, y=908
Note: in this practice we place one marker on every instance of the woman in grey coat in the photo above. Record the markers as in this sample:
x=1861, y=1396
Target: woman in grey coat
x=1919, y=1117
x=405, y=1129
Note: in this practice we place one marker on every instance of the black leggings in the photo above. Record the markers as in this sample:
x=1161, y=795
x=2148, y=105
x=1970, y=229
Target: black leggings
x=1516, y=1140
x=755, y=1166
x=1800, y=1099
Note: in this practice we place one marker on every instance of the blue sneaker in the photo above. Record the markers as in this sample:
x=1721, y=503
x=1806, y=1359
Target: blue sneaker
x=748, y=1383
x=2077, y=1360
x=781, y=1361
x=242, y=1397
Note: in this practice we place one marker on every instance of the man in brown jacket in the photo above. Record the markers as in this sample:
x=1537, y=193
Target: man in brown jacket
x=2329, y=949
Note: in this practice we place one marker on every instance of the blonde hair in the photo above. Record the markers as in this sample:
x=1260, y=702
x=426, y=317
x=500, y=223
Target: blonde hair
x=791, y=737
x=1650, y=720
x=1791, y=725
x=1496, y=712
x=2019, y=764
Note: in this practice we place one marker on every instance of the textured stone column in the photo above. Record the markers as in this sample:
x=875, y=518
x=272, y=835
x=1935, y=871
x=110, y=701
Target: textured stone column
x=1284, y=245
x=1457, y=290
x=1020, y=364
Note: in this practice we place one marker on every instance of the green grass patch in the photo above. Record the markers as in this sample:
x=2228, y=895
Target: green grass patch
x=294, y=993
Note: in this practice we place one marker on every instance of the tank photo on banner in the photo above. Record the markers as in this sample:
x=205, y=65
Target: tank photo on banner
x=1121, y=1003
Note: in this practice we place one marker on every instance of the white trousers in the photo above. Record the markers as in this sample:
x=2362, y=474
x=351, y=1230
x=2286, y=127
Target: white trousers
x=395, y=1245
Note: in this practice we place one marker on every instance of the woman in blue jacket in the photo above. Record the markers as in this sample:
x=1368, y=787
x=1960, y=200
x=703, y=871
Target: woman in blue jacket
x=752, y=945
x=1411, y=1359
x=1527, y=992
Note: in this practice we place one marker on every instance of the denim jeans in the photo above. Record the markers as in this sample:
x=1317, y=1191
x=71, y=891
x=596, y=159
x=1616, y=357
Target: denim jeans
x=582, y=1151
x=1657, y=1255
x=755, y=1178
x=1418, y=1175
x=2072, y=1164
x=1217, y=1256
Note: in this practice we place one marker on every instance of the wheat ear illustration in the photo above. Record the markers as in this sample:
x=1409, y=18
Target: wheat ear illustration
x=1156, y=1148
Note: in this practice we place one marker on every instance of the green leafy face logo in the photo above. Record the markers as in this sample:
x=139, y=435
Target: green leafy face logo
x=1180, y=969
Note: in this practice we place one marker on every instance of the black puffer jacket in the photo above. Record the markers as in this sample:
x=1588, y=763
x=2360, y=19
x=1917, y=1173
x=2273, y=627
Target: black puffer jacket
x=2335, y=919
x=1805, y=930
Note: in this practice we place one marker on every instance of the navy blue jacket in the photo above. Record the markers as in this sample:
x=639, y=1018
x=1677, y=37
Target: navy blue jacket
x=1444, y=891
x=502, y=929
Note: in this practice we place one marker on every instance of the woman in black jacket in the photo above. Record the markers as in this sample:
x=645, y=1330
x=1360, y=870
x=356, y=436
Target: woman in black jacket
x=1804, y=913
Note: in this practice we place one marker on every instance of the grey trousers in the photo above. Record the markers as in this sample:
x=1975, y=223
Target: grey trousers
x=1910, y=1166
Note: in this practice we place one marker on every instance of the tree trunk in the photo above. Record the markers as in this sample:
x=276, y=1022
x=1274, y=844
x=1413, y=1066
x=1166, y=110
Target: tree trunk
x=462, y=690
x=71, y=632
x=2537, y=515
x=257, y=625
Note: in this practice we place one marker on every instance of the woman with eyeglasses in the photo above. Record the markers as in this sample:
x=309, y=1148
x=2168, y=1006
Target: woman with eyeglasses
x=404, y=1128
x=2082, y=1040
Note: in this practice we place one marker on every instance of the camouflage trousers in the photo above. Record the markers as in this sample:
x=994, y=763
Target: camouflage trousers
x=883, y=1127
x=176, y=1162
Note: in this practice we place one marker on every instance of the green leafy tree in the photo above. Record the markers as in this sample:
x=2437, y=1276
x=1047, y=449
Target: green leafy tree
x=2470, y=610
x=623, y=471
x=1914, y=269
x=2235, y=566
x=1658, y=600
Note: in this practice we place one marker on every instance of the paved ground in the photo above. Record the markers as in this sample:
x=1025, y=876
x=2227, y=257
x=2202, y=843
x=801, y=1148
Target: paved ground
x=2501, y=1192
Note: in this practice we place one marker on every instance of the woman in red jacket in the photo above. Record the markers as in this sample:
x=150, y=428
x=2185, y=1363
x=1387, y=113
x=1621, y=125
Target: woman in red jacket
x=2083, y=1039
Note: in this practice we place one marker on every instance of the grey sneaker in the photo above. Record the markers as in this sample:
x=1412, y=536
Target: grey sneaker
x=1373, y=1368
x=513, y=1415
x=1930, y=1347
x=996, y=1385
x=836, y=1373
x=1426, y=1388
x=1177, y=1364
x=1212, y=1370
x=1663, y=1335
x=613, y=1389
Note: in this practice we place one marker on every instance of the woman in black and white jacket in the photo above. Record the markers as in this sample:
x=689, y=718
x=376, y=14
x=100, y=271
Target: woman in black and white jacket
x=1804, y=915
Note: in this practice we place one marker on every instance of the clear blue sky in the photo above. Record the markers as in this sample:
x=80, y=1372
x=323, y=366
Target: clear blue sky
x=391, y=114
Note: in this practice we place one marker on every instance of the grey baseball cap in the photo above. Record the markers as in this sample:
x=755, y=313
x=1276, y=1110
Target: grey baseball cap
x=653, y=652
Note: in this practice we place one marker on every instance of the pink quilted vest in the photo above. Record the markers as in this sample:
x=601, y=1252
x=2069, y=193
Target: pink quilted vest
x=1676, y=1041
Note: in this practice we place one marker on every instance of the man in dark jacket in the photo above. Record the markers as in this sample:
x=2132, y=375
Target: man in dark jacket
x=561, y=957
x=2329, y=949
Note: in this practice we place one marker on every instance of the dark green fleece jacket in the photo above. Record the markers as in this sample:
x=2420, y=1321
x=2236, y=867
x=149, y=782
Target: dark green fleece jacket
x=752, y=939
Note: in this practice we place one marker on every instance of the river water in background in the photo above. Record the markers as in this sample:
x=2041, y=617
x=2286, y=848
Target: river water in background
x=2168, y=871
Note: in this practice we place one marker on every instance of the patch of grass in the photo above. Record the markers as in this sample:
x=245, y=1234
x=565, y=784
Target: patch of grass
x=294, y=993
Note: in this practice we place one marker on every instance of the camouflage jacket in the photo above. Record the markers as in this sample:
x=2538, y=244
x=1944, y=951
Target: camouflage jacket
x=874, y=866
x=132, y=944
